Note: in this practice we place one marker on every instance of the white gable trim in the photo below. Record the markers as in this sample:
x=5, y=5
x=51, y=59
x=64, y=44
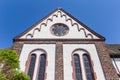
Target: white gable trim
x=77, y=30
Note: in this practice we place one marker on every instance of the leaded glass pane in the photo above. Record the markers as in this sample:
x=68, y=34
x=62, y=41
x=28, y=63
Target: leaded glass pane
x=42, y=67
x=59, y=29
x=88, y=67
x=77, y=67
x=31, y=66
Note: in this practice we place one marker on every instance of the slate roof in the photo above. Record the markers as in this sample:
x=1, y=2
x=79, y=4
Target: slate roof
x=113, y=49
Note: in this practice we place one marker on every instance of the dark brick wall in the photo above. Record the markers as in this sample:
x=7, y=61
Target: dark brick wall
x=59, y=62
x=18, y=47
x=109, y=70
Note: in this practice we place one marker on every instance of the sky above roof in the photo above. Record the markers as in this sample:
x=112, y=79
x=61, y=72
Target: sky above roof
x=102, y=16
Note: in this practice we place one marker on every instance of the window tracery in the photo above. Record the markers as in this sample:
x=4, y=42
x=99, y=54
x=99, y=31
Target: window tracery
x=59, y=29
x=82, y=65
x=41, y=64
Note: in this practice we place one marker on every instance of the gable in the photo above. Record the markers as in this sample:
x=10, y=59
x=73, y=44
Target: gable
x=44, y=28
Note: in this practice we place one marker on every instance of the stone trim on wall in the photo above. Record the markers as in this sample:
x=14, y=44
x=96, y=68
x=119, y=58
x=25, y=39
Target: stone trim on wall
x=55, y=41
x=59, y=75
x=109, y=71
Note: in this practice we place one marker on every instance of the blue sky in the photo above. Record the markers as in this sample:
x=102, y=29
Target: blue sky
x=102, y=16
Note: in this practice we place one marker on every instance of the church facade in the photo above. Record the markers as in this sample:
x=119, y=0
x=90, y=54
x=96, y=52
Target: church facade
x=60, y=47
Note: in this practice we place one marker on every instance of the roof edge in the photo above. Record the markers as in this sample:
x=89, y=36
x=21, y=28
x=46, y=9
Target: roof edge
x=59, y=8
x=89, y=29
x=21, y=34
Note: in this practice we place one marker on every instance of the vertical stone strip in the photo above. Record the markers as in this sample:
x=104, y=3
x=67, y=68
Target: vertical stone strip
x=18, y=47
x=59, y=62
x=106, y=62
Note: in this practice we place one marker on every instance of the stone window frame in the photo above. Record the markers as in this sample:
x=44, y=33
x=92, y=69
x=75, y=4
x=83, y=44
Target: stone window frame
x=36, y=64
x=84, y=76
x=67, y=31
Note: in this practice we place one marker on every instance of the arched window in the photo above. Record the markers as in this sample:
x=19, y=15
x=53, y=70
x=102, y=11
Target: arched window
x=83, y=69
x=32, y=66
x=77, y=67
x=42, y=67
x=37, y=64
x=88, y=67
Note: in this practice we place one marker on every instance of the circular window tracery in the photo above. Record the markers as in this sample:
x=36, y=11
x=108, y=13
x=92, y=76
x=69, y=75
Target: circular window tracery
x=59, y=29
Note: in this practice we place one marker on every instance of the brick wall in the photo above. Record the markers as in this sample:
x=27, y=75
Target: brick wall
x=18, y=47
x=59, y=62
x=109, y=70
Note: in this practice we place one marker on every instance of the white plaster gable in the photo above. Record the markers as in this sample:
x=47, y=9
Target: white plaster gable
x=42, y=30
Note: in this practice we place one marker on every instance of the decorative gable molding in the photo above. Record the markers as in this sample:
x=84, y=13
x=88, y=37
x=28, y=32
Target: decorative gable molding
x=42, y=30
